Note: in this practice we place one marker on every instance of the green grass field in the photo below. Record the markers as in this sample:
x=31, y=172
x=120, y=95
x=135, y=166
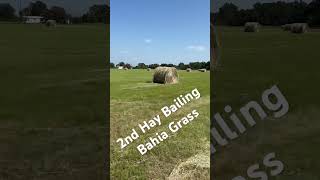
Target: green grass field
x=53, y=99
x=253, y=62
x=135, y=99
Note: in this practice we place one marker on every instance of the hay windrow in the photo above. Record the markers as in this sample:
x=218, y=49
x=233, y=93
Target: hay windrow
x=165, y=75
x=196, y=167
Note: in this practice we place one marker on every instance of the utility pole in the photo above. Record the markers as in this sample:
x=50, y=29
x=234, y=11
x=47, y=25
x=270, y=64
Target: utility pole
x=20, y=9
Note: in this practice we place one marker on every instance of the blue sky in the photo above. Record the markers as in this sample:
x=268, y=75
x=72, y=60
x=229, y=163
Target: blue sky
x=76, y=9
x=159, y=31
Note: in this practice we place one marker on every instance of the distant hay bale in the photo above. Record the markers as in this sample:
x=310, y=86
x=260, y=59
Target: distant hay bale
x=251, y=27
x=202, y=70
x=51, y=23
x=149, y=69
x=188, y=69
x=299, y=28
x=125, y=69
x=165, y=75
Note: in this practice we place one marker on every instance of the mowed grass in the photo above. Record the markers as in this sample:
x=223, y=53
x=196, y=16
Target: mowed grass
x=53, y=101
x=134, y=99
x=252, y=63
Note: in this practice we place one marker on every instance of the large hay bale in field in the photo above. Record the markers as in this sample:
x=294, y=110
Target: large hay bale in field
x=165, y=75
x=299, y=28
x=125, y=69
x=251, y=27
x=188, y=69
x=286, y=27
x=149, y=69
x=202, y=70
x=51, y=23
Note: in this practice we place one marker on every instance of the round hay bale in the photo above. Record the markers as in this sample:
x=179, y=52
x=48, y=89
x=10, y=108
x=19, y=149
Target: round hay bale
x=51, y=23
x=149, y=69
x=202, y=70
x=165, y=75
x=188, y=69
x=287, y=27
x=299, y=28
x=251, y=27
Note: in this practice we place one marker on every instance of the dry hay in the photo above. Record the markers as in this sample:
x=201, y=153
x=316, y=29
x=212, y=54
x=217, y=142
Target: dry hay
x=196, y=167
x=299, y=28
x=251, y=27
x=125, y=69
x=165, y=75
x=51, y=23
x=188, y=69
x=202, y=70
x=149, y=69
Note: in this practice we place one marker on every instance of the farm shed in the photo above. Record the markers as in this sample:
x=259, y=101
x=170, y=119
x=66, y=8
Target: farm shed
x=32, y=19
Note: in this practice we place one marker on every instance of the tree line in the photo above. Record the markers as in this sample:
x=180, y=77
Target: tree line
x=274, y=14
x=181, y=66
x=95, y=14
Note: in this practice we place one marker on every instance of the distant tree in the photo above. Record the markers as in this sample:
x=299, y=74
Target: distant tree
x=129, y=66
x=275, y=13
x=228, y=13
x=34, y=9
x=97, y=14
x=195, y=65
x=25, y=12
x=142, y=66
x=76, y=20
x=84, y=18
x=37, y=8
x=112, y=65
x=182, y=66
x=153, y=66
x=313, y=12
x=121, y=64
x=6, y=11
x=58, y=13
x=199, y=65
x=207, y=66
x=164, y=64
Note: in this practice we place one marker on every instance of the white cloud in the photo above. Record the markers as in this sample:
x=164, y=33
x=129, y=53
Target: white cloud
x=197, y=48
x=148, y=41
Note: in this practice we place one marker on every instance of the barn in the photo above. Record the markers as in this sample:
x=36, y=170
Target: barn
x=32, y=19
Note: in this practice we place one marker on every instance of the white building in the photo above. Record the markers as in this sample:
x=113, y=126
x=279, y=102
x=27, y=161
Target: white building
x=32, y=19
